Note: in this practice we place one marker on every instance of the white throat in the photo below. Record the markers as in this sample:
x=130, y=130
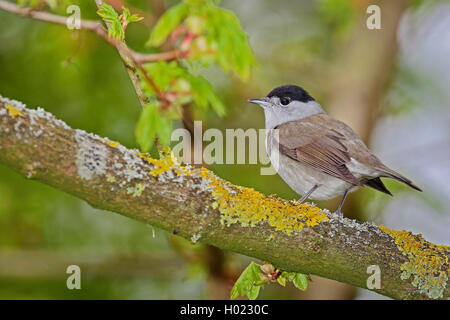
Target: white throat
x=296, y=110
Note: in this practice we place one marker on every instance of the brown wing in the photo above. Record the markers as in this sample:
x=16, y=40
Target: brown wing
x=312, y=143
x=358, y=150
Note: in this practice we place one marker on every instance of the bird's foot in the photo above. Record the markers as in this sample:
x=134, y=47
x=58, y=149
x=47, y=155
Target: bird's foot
x=306, y=196
x=339, y=212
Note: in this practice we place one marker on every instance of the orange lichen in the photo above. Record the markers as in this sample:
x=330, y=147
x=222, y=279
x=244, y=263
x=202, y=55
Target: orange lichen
x=240, y=204
x=427, y=265
x=14, y=112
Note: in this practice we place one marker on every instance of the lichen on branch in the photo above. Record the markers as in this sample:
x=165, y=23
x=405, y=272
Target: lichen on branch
x=242, y=205
x=427, y=265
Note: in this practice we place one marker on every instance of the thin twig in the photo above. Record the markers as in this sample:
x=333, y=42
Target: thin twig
x=137, y=58
x=138, y=64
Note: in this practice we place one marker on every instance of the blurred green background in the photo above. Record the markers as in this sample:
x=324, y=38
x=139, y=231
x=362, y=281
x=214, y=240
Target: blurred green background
x=391, y=85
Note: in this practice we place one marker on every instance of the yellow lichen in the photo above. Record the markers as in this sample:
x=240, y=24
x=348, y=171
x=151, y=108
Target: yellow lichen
x=167, y=162
x=14, y=112
x=427, y=265
x=113, y=144
x=248, y=207
x=244, y=205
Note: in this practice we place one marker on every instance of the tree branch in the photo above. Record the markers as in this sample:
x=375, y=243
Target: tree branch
x=197, y=205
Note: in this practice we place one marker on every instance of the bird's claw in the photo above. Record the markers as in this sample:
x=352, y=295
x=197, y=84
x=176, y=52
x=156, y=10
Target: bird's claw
x=339, y=213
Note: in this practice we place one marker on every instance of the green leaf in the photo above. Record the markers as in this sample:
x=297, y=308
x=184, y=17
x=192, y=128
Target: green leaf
x=167, y=23
x=233, y=49
x=164, y=73
x=245, y=283
x=116, y=31
x=128, y=17
x=135, y=18
x=148, y=125
x=204, y=94
x=108, y=13
x=234, y=292
x=301, y=281
x=164, y=131
x=290, y=276
x=253, y=293
x=282, y=279
x=171, y=76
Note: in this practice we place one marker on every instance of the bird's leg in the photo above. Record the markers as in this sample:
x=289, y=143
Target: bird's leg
x=308, y=193
x=338, y=211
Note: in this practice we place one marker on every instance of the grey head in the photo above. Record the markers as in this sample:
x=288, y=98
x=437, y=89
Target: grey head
x=287, y=103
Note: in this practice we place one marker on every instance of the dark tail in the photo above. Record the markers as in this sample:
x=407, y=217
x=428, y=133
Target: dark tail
x=394, y=175
x=377, y=184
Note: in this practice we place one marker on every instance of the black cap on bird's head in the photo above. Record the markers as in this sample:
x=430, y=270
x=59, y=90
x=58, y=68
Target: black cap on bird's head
x=292, y=92
x=285, y=94
x=287, y=103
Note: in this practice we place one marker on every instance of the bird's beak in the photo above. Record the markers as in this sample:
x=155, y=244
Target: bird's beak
x=261, y=101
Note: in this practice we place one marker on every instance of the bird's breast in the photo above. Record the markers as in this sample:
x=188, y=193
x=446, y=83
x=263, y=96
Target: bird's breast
x=301, y=177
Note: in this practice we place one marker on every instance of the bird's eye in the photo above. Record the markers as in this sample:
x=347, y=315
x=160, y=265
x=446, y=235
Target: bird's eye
x=285, y=101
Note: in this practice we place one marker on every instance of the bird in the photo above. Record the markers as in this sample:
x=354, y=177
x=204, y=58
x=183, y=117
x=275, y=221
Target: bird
x=318, y=156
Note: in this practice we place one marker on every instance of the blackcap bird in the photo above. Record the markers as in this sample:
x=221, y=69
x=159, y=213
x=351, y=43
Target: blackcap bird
x=317, y=156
